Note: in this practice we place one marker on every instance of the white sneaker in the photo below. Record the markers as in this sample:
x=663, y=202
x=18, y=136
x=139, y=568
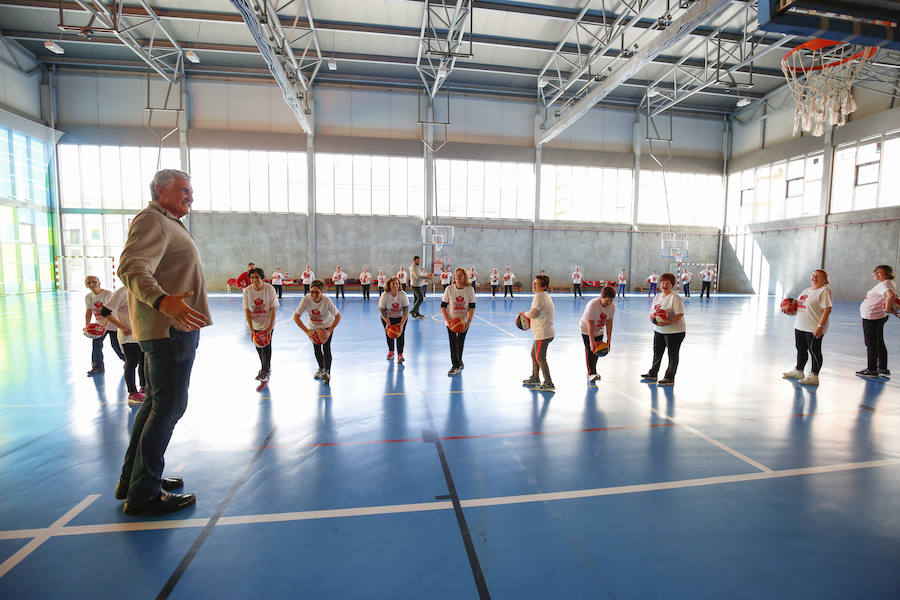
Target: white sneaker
x=593, y=377
x=794, y=374
x=326, y=376
x=318, y=374
x=811, y=379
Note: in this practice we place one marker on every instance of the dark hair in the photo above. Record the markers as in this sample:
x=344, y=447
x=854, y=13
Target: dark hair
x=415, y=257
x=317, y=283
x=544, y=280
x=258, y=271
x=608, y=292
x=888, y=270
x=251, y=264
x=667, y=277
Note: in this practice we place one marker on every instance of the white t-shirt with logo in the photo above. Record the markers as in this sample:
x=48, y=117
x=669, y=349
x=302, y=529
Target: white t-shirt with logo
x=308, y=277
x=118, y=304
x=277, y=278
x=338, y=278
x=542, y=324
x=495, y=279
x=873, y=306
x=321, y=314
x=95, y=303
x=446, y=278
x=673, y=304
x=259, y=303
x=508, y=278
x=576, y=277
x=401, y=276
x=706, y=275
x=686, y=277
x=459, y=301
x=653, y=278
x=811, y=304
x=365, y=278
x=623, y=278
x=393, y=305
x=382, y=280
x=472, y=276
x=601, y=315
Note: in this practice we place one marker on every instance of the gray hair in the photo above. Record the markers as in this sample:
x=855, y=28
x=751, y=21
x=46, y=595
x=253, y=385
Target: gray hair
x=164, y=179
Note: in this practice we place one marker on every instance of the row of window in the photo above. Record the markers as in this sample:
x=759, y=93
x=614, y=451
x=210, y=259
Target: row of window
x=23, y=168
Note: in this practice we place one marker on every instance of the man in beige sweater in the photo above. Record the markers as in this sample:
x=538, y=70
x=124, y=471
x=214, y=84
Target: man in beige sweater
x=160, y=266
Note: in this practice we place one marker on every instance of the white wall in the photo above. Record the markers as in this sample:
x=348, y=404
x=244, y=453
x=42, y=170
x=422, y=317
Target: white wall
x=18, y=91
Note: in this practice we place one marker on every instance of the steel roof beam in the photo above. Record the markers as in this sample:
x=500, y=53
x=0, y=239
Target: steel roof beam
x=441, y=41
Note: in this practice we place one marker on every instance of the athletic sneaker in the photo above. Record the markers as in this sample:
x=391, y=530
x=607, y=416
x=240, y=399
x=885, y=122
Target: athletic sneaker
x=326, y=376
x=453, y=371
x=531, y=381
x=259, y=376
x=319, y=373
x=95, y=371
x=884, y=372
x=665, y=381
x=867, y=373
x=794, y=374
x=648, y=377
x=400, y=358
x=461, y=366
x=593, y=377
x=547, y=386
x=134, y=399
x=811, y=379
x=390, y=355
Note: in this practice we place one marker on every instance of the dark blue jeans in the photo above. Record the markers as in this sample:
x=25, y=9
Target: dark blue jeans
x=168, y=362
x=97, y=349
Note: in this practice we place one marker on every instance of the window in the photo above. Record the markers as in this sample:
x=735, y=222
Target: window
x=681, y=198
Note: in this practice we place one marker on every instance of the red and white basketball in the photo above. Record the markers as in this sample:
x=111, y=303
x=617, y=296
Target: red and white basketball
x=789, y=306
x=320, y=336
x=261, y=339
x=658, y=316
x=94, y=331
x=523, y=322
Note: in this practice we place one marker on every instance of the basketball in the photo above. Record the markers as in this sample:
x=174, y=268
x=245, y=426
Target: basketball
x=457, y=325
x=261, y=339
x=320, y=336
x=523, y=322
x=94, y=331
x=600, y=349
x=394, y=331
x=658, y=316
x=789, y=306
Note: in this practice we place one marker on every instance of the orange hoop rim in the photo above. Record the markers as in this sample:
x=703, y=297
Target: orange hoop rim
x=818, y=44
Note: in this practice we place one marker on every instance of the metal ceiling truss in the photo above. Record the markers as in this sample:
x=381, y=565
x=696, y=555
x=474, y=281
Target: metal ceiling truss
x=167, y=60
x=722, y=64
x=442, y=39
x=617, y=70
x=564, y=69
x=294, y=73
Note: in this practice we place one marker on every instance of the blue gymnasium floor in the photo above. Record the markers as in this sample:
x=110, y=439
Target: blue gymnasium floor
x=401, y=482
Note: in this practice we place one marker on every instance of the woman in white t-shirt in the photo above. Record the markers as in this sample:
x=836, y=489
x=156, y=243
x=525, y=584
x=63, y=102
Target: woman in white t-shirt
x=668, y=333
x=458, y=303
x=508, y=279
x=473, y=278
x=259, y=302
x=653, y=279
x=338, y=279
x=93, y=303
x=323, y=318
x=381, y=281
x=874, y=310
x=278, y=281
x=307, y=279
x=598, y=315
x=495, y=283
x=541, y=316
x=446, y=278
x=576, y=283
x=115, y=310
x=365, y=280
x=623, y=283
x=401, y=277
x=810, y=324
x=394, y=307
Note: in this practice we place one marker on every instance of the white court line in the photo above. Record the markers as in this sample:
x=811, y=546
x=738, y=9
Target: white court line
x=696, y=432
x=45, y=534
x=510, y=334
x=445, y=505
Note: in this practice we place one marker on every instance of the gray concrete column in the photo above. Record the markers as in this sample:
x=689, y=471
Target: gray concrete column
x=311, y=212
x=428, y=211
x=727, y=140
x=183, y=128
x=636, y=144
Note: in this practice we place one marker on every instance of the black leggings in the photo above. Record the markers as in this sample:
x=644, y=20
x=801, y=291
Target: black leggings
x=134, y=359
x=339, y=291
x=576, y=289
x=457, y=341
x=661, y=343
x=265, y=354
x=494, y=289
x=365, y=290
x=539, y=358
x=589, y=355
x=508, y=288
x=400, y=340
x=876, y=351
x=278, y=289
x=808, y=345
x=323, y=353
x=705, y=288
x=305, y=289
x=380, y=291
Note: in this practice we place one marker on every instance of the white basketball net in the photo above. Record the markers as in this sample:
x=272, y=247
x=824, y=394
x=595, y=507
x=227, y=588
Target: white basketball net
x=821, y=81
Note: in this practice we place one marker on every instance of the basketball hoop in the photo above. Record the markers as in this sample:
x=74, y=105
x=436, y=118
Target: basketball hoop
x=820, y=74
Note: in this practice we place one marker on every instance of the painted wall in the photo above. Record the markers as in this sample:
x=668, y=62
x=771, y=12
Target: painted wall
x=19, y=91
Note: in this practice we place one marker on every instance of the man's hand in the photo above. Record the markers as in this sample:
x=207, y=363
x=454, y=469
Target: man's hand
x=174, y=307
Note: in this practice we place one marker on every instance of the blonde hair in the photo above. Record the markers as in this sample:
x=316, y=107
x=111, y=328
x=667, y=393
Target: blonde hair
x=824, y=274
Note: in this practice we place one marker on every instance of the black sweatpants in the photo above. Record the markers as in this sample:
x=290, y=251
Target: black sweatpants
x=661, y=343
x=323, y=353
x=576, y=289
x=589, y=355
x=365, y=290
x=808, y=345
x=508, y=288
x=400, y=340
x=707, y=285
x=278, y=289
x=134, y=360
x=876, y=351
x=97, y=348
x=339, y=291
x=457, y=341
x=265, y=355
x=494, y=289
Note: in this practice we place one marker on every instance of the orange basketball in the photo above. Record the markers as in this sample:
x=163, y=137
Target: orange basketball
x=320, y=336
x=394, y=331
x=457, y=325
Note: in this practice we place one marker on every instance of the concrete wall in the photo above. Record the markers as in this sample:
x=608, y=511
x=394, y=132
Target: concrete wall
x=19, y=91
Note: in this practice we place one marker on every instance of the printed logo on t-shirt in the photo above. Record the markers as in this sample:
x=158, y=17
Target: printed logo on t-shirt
x=602, y=319
x=801, y=302
x=258, y=301
x=315, y=315
x=98, y=306
x=395, y=306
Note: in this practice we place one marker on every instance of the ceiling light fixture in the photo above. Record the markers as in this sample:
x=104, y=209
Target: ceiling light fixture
x=54, y=47
x=192, y=56
x=542, y=82
x=332, y=64
x=742, y=102
x=652, y=92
